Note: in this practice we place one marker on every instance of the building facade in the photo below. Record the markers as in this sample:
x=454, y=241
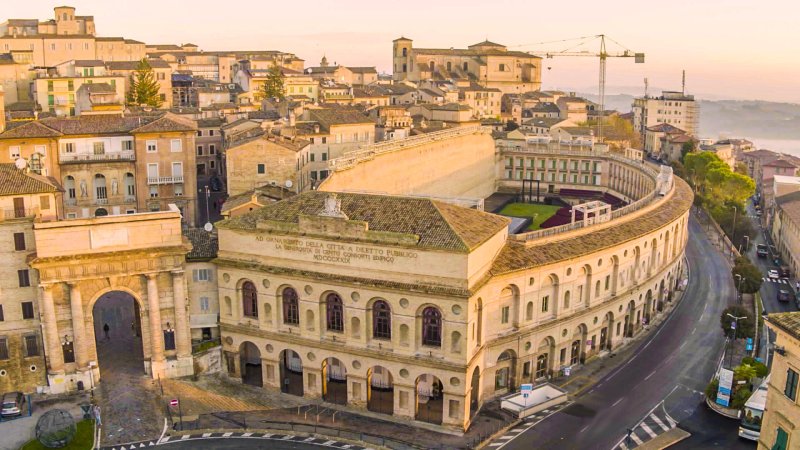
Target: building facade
x=780, y=425
x=673, y=108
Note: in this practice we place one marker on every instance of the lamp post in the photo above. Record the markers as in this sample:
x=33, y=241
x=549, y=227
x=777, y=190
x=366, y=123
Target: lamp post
x=746, y=244
x=733, y=233
x=733, y=337
x=208, y=194
x=739, y=287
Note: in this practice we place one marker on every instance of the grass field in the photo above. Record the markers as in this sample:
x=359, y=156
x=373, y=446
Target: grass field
x=539, y=213
x=84, y=439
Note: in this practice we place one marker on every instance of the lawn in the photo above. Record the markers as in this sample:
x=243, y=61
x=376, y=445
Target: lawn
x=84, y=439
x=539, y=213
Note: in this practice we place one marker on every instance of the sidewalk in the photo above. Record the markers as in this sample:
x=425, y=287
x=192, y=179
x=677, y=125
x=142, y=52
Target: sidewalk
x=15, y=433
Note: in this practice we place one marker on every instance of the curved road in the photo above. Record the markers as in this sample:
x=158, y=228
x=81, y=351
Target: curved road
x=674, y=366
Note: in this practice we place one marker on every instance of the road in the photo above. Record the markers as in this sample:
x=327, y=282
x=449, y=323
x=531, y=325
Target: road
x=673, y=366
x=276, y=442
x=214, y=198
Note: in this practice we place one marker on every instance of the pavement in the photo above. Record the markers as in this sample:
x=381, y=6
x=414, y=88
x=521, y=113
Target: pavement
x=670, y=368
x=14, y=433
x=237, y=441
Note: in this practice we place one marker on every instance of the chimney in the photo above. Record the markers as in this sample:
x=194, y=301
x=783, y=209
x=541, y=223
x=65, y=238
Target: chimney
x=2, y=111
x=292, y=119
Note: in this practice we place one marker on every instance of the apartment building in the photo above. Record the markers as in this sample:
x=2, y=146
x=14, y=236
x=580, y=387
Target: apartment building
x=54, y=90
x=202, y=292
x=490, y=64
x=209, y=144
x=780, y=424
x=261, y=159
x=673, y=108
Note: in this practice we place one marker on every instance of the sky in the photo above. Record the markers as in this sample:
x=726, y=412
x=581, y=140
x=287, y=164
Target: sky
x=731, y=49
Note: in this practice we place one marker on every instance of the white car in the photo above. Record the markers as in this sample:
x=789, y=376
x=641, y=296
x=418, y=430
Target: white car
x=773, y=274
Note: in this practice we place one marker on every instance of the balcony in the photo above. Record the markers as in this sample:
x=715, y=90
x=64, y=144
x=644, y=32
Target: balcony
x=165, y=180
x=70, y=201
x=101, y=201
x=129, y=199
x=67, y=158
x=17, y=213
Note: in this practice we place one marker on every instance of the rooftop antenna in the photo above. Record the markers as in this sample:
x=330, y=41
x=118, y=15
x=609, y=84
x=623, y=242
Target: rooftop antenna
x=683, y=83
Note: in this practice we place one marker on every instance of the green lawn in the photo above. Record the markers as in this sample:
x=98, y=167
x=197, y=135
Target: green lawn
x=539, y=213
x=84, y=439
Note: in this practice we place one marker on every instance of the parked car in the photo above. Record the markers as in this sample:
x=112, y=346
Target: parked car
x=216, y=184
x=12, y=404
x=784, y=296
x=761, y=251
x=784, y=271
x=773, y=274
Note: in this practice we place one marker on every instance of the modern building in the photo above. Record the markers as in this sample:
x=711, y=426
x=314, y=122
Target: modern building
x=673, y=108
x=780, y=424
x=489, y=64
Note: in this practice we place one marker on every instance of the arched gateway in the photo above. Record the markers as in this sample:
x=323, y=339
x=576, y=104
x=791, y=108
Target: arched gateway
x=124, y=271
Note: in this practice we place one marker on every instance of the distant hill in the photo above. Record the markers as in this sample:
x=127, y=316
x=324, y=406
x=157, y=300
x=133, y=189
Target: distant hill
x=750, y=119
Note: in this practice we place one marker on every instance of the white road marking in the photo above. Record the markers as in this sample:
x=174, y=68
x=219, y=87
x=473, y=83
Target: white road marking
x=495, y=444
x=505, y=437
x=584, y=428
x=623, y=446
x=694, y=329
x=636, y=439
x=651, y=374
x=659, y=422
x=518, y=430
x=247, y=434
x=648, y=430
x=227, y=434
x=616, y=402
x=672, y=422
x=205, y=435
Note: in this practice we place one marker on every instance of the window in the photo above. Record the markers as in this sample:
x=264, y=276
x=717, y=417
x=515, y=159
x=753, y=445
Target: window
x=381, y=320
x=334, y=312
x=200, y=133
x=175, y=145
x=432, y=327
x=2, y=318
x=69, y=147
x=152, y=146
x=781, y=440
x=127, y=145
x=791, y=384
x=212, y=149
x=541, y=365
x=210, y=132
x=212, y=164
x=13, y=152
x=31, y=346
x=27, y=310
x=202, y=274
x=291, y=311
x=154, y=192
x=177, y=170
x=99, y=148
x=169, y=339
x=24, y=278
x=249, y=300
x=69, y=352
x=19, y=241
x=261, y=169
x=504, y=313
x=204, y=306
x=178, y=190
x=311, y=157
x=545, y=303
x=3, y=348
x=502, y=67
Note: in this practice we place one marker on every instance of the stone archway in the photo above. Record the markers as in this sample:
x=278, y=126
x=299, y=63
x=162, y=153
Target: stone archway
x=250, y=364
x=475, y=389
x=291, y=371
x=430, y=399
x=334, y=381
x=121, y=348
x=380, y=390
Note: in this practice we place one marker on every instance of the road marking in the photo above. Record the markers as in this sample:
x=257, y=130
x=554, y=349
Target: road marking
x=651, y=374
x=185, y=436
x=505, y=437
x=518, y=430
x=648, y=430
x=623, y=446
x=672, y=422
x=206, y=434
x=584, y=428
x=617, y=402
x=694, y=329
x=659, y=422
x=247, y=434
x=636, y=439
x=495, y=444
x=227, y=434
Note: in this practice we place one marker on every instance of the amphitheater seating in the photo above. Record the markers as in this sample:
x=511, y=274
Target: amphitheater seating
x=580, y=193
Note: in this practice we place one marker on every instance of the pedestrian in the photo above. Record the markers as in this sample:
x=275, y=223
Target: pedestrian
x=105, y=329
x=97, y=415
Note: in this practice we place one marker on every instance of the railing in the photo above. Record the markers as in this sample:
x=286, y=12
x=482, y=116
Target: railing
x=129, y=199
x=367, y=152
x=18, y=213
x=101, y=201
x=165, y=180
x=70, y=201
x=91, y=157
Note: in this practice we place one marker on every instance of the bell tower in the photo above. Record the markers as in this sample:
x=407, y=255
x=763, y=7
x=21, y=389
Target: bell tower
x=401, y=57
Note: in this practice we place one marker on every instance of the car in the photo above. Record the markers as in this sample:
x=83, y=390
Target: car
x=216, y=184
x=784, y=271
x=784, y=296
x=773, y=274
x=12, y=404
x=761, y=251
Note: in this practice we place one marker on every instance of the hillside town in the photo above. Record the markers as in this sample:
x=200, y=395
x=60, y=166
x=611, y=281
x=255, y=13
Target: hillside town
x=236, y=244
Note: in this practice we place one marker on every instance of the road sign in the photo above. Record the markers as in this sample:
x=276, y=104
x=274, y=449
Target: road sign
x=725, y=385
x=733, y=324
x=524, y=395
x=173, y=402
x=527, y=387
x=567, y=370
x=749, y=344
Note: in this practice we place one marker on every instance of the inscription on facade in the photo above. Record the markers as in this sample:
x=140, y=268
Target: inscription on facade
x=338, y=253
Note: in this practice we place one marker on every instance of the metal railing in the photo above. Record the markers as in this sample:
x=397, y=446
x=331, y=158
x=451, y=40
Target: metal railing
x=165, y=180
x=92, y=157
x=367, y=152
x=18, y=213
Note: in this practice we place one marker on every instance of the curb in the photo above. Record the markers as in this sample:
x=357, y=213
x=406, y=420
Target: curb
x=721, y=411
x=665, y=440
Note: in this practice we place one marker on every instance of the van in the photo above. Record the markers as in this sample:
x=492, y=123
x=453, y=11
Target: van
x=12, y=404
x=761, y=251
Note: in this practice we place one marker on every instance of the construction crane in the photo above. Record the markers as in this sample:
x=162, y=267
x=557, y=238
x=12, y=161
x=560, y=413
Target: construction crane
x=603, y=54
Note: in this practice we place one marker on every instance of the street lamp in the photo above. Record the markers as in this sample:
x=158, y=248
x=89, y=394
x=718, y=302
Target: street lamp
x=739, y=287
x=208, y=215
x=746, y=244
x=733, y=233
x=735, y=329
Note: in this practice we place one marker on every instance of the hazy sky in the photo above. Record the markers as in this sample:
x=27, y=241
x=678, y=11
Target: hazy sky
x=730, y=49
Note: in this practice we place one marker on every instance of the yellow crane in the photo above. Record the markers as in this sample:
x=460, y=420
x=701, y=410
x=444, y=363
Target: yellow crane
x=603, y=54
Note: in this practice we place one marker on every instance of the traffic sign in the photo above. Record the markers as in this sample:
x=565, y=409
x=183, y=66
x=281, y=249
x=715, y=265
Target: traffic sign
x=526, y=387
x=733, y=325
x=173, y=402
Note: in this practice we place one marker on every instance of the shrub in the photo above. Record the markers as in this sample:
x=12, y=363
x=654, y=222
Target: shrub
x=740, y=398
x=711, y=389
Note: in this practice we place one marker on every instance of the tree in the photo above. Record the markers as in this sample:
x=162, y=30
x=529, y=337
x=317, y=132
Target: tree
x=744, y=372
x=273, y=85
x=144, y=88
x=741, y=168
x=751, y=275
x=687, y=147
x=745, y=327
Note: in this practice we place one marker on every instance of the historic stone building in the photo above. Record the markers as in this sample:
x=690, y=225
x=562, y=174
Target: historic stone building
x=780, y=424
x=418, y=308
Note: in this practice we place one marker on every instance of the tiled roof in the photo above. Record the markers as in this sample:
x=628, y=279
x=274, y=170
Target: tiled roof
x=780, y=162
x=155, y=63
x=15, y=182
x=517, y=256
x=338, y=116
x=399, y=89
x=209, y=123
x=167, y=122
x=790, y=205
x=205, y=245
x=578, y=131
x=665, y=128
x=100, y=124
x=363, y=69
x=463, y=52
x=88, y=63
x=264, y=194
x=32, y=129
x=545, y=107
x=98, y=88
x=438, y=225
x=788, y=322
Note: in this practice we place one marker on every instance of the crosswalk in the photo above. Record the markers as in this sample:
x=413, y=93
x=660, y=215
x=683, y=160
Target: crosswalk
x=527, y=424
x=775, y=280
x=655, y=423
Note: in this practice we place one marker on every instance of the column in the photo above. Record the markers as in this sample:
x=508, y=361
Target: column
x=156, y=333
x=78, y=326
x=52, y=340
x=182, y=337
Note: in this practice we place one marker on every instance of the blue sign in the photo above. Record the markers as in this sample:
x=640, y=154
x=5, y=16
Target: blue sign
x=526, y=387
x=749, y=344
x=733, y=325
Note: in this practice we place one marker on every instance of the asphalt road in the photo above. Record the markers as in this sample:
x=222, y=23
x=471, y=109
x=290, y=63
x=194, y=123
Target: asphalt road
x=673, y=366
x=232, y=443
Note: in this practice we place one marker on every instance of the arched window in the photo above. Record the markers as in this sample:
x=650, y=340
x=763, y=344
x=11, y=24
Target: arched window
x=334, y=312
x=291, y=311
x=431, y=327
x=249, y=299
x=381, y=320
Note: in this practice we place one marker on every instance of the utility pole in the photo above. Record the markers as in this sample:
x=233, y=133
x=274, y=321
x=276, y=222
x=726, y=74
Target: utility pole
x=733, y=336
x=602, y=90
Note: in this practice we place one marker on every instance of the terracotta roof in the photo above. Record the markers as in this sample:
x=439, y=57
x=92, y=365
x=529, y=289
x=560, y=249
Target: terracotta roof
x=33, y=129
x=100, y=124
x=15, y=182
x=790, y=204
x=363, y=69
x=204, y=244
x=264, y=194
x=438, y=225
x=780, y=162
x=155, y=63
x=167, y=122
x=214, y=122
x=665, y=128
x=517, y=256
x=788, y=322
x=338, y=116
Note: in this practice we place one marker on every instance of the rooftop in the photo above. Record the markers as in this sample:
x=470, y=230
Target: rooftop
x=14, y=181
x=788, y=322
x=438, y=225
x=790, y=205
x=100, y=124
x=339, y=116
x=204, y=244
